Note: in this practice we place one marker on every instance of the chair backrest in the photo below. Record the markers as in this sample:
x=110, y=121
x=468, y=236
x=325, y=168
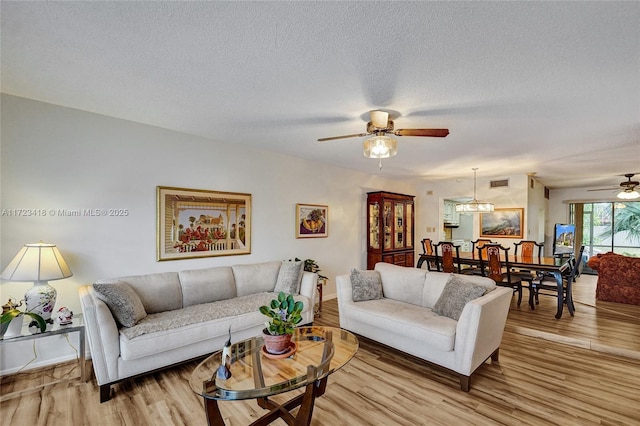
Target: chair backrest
x=479, y=243
x=427, y=246
x=448, y=262
x=528, y=248
x=491, y=256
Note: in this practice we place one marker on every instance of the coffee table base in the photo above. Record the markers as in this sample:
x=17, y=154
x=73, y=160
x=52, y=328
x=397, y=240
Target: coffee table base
x=283, y=411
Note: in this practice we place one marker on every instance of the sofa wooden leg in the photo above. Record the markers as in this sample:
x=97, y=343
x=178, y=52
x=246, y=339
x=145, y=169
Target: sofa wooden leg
x=495, y=355
x=105, y=393
x=465, y=383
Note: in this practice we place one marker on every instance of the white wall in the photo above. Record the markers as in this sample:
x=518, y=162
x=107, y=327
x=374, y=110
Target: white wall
x=60, y=158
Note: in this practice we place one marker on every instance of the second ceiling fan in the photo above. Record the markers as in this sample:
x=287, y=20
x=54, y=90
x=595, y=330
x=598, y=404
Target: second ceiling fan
x=380, y=145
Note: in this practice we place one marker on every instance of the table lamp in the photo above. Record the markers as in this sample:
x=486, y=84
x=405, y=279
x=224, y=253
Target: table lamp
x=39, y=263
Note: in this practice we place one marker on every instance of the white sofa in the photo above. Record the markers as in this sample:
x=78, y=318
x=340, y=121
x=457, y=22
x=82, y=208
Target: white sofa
x=188, y=314
x=403, y=318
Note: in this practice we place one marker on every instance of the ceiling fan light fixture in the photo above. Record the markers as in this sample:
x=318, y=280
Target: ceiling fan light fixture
x=474, y=206
x=628, y=195
x=380, y=146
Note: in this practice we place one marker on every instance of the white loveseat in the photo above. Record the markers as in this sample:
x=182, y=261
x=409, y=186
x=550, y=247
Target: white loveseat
x=404, y=319
x=186, y=315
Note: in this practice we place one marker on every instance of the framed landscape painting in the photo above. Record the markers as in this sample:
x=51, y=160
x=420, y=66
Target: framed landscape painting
x=202, y=223
x=502, y=223
x=312, y=221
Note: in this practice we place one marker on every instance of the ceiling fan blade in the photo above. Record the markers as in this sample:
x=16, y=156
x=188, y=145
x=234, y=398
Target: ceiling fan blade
x=436, y=133
x=357, y=135
x=603, y=189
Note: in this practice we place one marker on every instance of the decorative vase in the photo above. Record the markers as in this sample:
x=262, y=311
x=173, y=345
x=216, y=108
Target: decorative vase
x=276, y=344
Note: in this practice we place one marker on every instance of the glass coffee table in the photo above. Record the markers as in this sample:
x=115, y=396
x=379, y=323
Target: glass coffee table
x=255, y=374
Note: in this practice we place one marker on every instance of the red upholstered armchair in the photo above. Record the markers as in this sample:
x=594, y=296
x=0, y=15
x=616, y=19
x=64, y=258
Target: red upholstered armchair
x=618, y=278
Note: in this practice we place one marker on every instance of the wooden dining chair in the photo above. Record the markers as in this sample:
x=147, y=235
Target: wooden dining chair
x=427, y=248
x=448, y=262
x=547, y=285
x=475, y=245
x=494, y=263
x=529, y=251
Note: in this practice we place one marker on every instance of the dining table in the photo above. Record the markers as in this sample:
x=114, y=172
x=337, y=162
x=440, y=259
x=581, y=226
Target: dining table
x=549, y=266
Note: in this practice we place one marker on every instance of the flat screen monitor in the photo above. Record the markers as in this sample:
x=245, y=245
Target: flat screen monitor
x=564, y=236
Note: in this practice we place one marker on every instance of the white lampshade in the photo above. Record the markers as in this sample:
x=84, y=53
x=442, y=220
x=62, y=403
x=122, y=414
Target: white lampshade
x=380, y=147
x=628, y=195
x=38, y=263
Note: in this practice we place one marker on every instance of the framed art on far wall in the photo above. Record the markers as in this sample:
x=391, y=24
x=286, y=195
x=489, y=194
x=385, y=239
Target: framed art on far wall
x=502, y=223
x=312, y=221
x=201, y=223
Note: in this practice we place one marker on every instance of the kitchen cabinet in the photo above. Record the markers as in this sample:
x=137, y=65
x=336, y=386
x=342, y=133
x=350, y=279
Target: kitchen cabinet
x=390, y=225
x=450, y=215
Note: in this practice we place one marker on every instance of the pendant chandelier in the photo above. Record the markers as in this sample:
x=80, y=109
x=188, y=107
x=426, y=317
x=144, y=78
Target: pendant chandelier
x=474, y=206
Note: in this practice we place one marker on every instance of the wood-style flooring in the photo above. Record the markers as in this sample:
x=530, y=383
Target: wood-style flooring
x=551, y=372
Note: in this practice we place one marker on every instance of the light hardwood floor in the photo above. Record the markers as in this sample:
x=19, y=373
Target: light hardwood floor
x=556, y=372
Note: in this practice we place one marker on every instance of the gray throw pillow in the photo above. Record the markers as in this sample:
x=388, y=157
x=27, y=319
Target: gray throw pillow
x=289, y=277
x=455, y=295
x=365, y=285
x=123, y=301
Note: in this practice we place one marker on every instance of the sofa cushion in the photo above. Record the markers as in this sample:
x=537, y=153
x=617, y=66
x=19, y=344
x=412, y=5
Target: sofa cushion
x=456, y=294
x=123, y=301
x=401, y=283
x=255, y=277
x=207, y=285
x=408, y=320
x=289, y=277
x=158, y=292
x=365, y=285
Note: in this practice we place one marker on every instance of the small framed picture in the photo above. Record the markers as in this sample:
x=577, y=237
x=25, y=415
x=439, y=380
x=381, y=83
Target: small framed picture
x=312, y=221
x=502, y=223
x=202, y=223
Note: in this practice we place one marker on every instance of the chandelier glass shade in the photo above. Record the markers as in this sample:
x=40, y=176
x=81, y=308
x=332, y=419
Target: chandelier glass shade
x=474, y=206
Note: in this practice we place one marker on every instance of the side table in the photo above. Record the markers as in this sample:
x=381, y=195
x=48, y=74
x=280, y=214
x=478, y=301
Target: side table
x=77, y=326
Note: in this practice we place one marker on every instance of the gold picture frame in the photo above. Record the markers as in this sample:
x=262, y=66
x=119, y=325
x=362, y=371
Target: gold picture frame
x=312, y=221
x=502, y=223
x=193, y=223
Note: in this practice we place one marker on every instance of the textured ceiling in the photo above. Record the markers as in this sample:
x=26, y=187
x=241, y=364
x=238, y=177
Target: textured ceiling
x=545, y=87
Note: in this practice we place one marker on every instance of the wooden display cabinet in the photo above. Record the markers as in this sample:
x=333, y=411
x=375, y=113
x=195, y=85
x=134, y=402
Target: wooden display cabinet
x=390, y=225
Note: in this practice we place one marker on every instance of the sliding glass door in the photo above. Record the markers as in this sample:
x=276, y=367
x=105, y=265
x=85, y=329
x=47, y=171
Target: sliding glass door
x=609, y=226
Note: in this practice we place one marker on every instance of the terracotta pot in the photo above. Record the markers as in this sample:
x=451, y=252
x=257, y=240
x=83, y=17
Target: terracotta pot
x=276, y=344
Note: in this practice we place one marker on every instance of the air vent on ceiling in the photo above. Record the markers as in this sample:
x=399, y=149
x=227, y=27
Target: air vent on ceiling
x=498, y=183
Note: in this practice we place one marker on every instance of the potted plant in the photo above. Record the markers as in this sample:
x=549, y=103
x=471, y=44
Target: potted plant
x=284, y=313
x=10, y=312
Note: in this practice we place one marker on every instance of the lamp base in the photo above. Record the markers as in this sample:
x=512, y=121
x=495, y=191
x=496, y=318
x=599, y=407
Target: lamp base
x=40, y=299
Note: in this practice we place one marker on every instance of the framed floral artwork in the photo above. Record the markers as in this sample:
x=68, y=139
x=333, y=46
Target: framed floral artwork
x=502, y=223
x=201, y=223
x=312, y=221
